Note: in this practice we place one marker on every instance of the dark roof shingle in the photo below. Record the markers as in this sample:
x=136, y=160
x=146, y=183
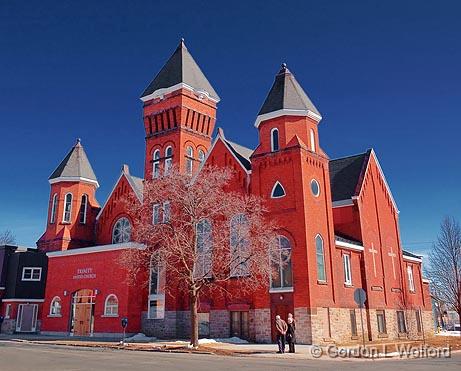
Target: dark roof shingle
x=346, y=174
x=75, y=164
x=181, y=68
x=286, y=93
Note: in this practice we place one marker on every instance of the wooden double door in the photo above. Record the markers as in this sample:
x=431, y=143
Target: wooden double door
x=82, y=320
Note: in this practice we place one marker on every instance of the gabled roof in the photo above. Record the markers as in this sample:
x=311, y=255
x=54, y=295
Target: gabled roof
x=346, y=174
x=242, y=153
x=136, y=184
x=181, y=68
x=342, y=238
x=74, y=167
x=286, y=94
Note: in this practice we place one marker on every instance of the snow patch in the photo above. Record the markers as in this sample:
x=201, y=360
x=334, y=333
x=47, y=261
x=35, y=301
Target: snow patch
x=141, y=338
x=449, y=333
x=232, y=340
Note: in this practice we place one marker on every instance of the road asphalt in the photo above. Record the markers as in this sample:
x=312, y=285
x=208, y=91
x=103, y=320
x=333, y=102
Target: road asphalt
x=28, y=356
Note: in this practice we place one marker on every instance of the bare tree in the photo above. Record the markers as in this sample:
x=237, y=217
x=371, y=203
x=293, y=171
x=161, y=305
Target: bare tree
x=444, y=269
x=7, y=238
x=202, y=235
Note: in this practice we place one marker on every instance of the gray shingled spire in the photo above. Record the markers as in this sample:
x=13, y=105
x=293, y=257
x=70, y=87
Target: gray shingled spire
x=181, y=68
x=75, y=165
x=286, y=93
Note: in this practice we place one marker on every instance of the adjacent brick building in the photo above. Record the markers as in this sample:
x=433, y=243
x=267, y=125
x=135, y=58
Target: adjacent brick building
x=338, y=219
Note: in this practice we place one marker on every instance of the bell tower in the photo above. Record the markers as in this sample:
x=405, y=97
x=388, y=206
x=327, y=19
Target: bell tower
x=72, y=206
x=179, y=112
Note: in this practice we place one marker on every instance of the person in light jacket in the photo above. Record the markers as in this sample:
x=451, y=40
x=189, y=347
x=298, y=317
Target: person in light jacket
x=281, y=329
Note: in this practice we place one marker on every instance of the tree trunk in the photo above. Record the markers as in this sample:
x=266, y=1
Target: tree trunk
x=193, y=320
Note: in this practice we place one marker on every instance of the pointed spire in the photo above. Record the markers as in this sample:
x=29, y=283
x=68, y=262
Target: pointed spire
x=180, y=68
x=287, y=94
x=74, y=167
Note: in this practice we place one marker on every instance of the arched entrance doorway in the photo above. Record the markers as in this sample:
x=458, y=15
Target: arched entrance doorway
x=82, y=318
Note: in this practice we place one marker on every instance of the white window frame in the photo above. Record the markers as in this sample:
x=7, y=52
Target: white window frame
x=112, y=306
x=273, y=149
x=204, y=258
x=64, y=212
x=168, y=160
x=166, y=212
x=312, y=137
x=324, y=279
x=115, y=225
x=273, y=189
x=189, y=160
x=156, y=164
x=84, y=197
x=315, y=181
x=347, y=269
x=54, y=206
x=32, y=270
x=201, y=156
x=155, y=214
x=158, y=297
x=56, y=299
x=8, y=311
x=239, y=249
x=411, y=278
x=281, y=269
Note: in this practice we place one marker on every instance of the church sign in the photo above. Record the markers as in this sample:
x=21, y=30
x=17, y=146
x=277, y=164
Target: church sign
x=84, y=273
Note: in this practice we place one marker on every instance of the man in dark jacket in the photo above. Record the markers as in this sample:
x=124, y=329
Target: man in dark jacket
x=281, y=330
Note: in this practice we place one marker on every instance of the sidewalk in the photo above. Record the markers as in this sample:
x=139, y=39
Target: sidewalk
x=209, y=346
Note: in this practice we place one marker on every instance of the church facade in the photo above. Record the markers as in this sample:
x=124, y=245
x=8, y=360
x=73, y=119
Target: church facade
x=337, y=218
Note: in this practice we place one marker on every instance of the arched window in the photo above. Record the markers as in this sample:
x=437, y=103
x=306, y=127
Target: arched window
x=122, y=231
x=277, y=190
x=274, y=139
x=156, y=164
x=312, y=140
x=320, y=254
x=201, y=156
x=55, y=306
x=204, y=248
x=168, y=159
x=239, y=243
x=156, y=308
x=66, y=217
x=83, y=209
x=411, y=281
x=281, y=260
x=54, y=207
x=189, y=160
x=111, y=306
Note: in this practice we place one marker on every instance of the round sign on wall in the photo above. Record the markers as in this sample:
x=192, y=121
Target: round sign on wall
x=360, y=296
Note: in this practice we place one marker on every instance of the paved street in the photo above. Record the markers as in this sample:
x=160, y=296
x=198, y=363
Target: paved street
x=23, y=356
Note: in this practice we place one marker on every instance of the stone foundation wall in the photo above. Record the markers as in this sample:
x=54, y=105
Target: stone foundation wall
x=175, y=324
x=219, y=323
x=303, y=318
x=262, y=325
x=8, y=326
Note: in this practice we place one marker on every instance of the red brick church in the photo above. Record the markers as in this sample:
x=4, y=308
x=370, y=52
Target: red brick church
x=338, y=217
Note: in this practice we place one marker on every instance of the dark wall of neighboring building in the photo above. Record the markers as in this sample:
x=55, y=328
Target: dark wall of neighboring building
x=12, y=262
x=5, y=252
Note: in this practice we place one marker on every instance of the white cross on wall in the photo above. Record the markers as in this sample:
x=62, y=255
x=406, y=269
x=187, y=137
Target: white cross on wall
x=393, y=255
x=373, y=251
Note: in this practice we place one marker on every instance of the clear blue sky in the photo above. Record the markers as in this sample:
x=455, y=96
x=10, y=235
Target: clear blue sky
x=384, y=74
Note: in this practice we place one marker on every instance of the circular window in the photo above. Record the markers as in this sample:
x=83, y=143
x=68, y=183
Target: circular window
x=122, y=231
x=315, y=188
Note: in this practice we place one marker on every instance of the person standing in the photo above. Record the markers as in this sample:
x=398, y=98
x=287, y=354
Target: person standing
x=281, y=329
x=290, y=336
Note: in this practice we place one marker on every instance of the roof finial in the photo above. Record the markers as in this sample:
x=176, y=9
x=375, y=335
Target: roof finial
x=78, y=142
